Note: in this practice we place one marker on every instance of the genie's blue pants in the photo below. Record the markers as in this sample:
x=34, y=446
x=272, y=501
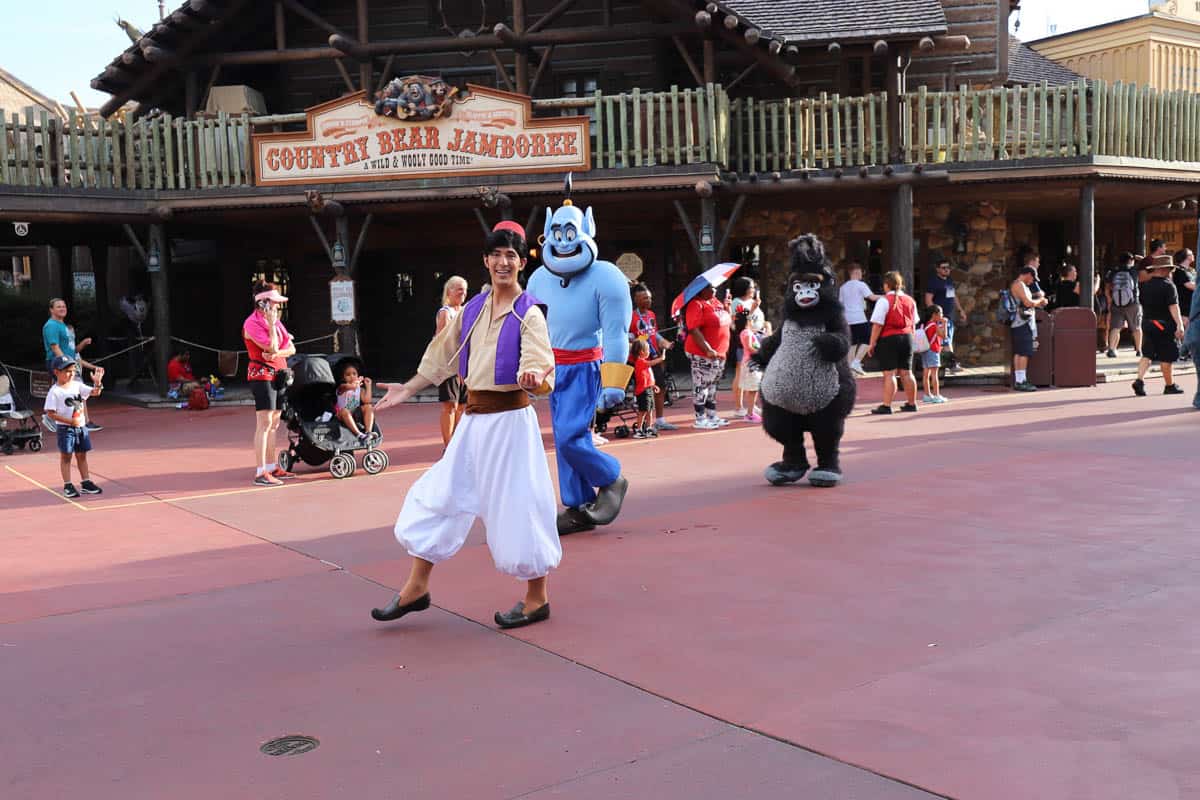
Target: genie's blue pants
x=581, y=467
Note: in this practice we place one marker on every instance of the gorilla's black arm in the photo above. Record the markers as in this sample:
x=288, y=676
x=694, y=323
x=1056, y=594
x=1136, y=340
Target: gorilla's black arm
x=767, y=348
x=834, y=344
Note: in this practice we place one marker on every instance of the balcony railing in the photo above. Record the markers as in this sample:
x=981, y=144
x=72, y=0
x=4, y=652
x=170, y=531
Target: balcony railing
x=670, y=128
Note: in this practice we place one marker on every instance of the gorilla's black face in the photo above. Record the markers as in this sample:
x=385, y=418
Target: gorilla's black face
x=806, y=292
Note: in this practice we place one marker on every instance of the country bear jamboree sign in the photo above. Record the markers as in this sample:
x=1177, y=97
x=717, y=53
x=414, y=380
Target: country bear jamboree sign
x=486, y=132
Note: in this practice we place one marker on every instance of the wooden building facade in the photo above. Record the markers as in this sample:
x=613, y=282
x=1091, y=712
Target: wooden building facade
x=714, y=130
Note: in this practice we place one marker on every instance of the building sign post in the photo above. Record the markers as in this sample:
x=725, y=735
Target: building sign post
x=484, y=132
x=341, y=301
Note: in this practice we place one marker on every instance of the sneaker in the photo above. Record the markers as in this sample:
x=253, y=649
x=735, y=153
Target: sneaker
x=1139, y=388
x=267, y=479
x=90, y=488
x=1024, y=387
x=363, y=438
x=1110, y=353
x=753, y=418
x=663, y=425
x=928, y=398
x=857, y=369
x=282, y=473
x=741, y=412
x=93, y=427
x=639, y=434
x=909, y=407
x=650, y=433
x=69, y=491
x=1172, y=388
x=598, y=440
x=1137, y=353
x=719, y=422
x=705, y=424
x=881, y=410
x=941, y=398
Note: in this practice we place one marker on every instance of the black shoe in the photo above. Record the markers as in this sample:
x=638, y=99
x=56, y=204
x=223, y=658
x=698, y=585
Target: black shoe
x=882, y=410
x=1172, y=388
x=573, y=520
x=70, y=491
x=516, y=617
x=394, y=610
x=604, y=509
x=90, y=488
x=909, y=407
x=1110, y=353
x=1139, y=387
x=93, y=427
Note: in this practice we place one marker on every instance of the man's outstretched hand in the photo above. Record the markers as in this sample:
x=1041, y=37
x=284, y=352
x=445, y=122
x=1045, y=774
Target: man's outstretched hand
x=397, y=393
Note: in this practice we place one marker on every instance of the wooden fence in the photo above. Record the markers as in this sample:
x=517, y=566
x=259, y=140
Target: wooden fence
x=827, y=131
x=675, y=127
x=1043, y=121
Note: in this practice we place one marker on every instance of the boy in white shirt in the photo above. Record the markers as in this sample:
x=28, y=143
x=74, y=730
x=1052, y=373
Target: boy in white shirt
x=64, y=405
x=853, y=295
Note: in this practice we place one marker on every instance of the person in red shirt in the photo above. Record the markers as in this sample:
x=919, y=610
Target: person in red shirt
x=892, y=325
x=707, y=344
x=934, y=328
x=179, y=374
x=644, y=324
x=644, y=389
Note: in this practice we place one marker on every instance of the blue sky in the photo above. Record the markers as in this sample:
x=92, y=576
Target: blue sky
x=85, y=38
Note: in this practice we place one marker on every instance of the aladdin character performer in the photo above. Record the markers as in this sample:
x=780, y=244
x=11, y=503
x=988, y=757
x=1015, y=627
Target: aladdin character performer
x=588, y=311
x=495, y=466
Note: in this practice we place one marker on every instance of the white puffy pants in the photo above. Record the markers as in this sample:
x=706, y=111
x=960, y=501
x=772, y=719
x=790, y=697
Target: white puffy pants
x=495, y=469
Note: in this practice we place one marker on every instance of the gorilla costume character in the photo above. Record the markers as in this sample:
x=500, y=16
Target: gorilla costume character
x=807, y=385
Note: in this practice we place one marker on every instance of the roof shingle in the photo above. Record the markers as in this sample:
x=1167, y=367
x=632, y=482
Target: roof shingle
x=804, y=21
x=1026, y=65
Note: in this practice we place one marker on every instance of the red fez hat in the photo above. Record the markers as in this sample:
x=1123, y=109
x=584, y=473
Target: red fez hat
x=509, y=225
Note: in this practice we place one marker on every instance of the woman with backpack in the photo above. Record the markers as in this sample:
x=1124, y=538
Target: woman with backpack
x=892, y=323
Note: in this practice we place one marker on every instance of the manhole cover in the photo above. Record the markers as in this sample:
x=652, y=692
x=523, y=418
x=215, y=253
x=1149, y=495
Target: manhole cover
x=290, y=745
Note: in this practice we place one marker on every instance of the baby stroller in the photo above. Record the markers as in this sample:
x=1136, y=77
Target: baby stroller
x=18, y=428
x=315, y=436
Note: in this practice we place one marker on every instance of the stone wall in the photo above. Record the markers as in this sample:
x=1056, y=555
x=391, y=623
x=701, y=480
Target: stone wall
x=980, y=272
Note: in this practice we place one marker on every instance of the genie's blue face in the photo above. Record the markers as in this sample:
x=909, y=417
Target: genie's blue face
x=570, y=245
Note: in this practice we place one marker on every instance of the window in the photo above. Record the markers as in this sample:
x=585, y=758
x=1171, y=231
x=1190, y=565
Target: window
x=579, y=87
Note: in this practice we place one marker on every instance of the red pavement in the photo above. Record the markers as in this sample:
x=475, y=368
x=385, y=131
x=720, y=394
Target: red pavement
x=996, y=604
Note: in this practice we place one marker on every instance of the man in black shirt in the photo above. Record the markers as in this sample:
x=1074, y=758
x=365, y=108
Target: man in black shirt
x=1184, y=278
x=1162, y=327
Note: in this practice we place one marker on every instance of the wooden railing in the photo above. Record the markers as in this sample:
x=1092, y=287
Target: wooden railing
x=675, y=127
x=1080, y=119
x=156, y=153
x=828, y=131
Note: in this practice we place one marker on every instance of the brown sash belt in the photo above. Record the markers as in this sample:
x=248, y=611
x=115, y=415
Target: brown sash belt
x=484, y=402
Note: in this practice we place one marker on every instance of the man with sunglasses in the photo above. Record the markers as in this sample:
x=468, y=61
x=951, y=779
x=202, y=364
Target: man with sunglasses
x=940, y=291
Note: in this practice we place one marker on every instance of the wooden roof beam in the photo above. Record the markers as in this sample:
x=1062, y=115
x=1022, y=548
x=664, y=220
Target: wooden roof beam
x=507, y=39
x=314, y=18
x=550, y=16
x=154, y=75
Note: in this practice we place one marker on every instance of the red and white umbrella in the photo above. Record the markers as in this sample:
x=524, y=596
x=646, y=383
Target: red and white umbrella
x=714, y=277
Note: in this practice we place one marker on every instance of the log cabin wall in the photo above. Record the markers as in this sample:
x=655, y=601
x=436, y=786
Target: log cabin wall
x=985, y=64
x=289, y=87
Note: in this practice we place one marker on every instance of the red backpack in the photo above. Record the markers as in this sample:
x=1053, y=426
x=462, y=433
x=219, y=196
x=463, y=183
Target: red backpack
x=198, y=399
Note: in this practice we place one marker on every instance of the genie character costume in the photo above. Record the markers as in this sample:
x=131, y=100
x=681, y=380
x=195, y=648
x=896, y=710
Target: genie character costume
x=588, y=314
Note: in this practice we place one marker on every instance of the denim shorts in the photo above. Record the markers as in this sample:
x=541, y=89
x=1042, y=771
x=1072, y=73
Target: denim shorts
x=930, y=359
x=73, y=440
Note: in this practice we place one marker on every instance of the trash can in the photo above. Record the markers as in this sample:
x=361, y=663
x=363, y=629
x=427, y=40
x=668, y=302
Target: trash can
x=1041, y=364
x=1074, y=347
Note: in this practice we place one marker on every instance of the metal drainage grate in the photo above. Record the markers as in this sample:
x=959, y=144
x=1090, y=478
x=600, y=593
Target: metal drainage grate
x=290, y=745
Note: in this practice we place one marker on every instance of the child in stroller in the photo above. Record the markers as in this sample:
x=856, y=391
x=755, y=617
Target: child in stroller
x=315, y=435
x=354, y=399
x=18, y=428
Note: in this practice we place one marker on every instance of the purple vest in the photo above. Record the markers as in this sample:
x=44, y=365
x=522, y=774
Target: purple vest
x=508, y=349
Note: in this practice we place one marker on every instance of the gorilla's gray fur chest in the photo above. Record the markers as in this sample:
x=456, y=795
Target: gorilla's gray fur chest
x=796, y=378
